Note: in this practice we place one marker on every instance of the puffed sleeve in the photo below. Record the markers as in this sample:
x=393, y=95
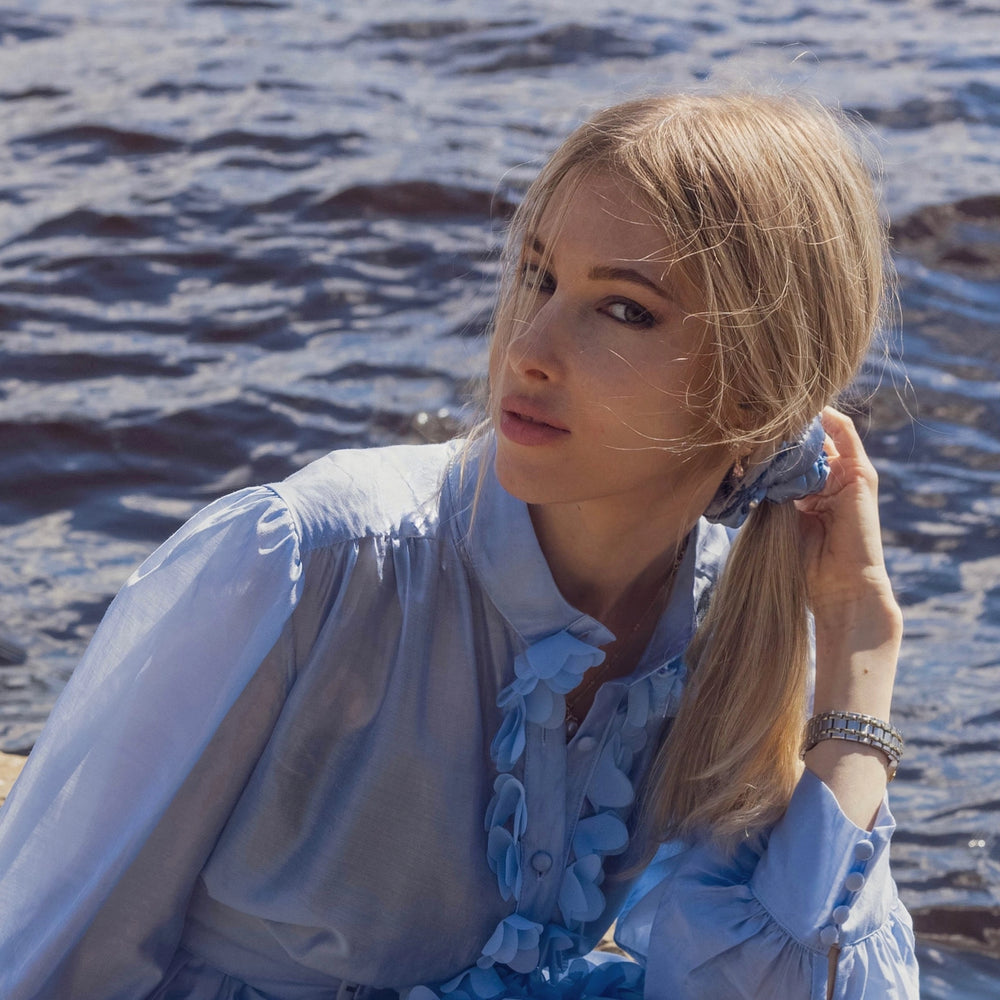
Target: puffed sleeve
x=764, y=923
x=145, y=754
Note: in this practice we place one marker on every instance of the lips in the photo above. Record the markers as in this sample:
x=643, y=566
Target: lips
x=529, y=412
x=526, y=423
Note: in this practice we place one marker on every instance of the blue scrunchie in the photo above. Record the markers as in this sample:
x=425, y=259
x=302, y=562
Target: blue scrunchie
x=798, y=469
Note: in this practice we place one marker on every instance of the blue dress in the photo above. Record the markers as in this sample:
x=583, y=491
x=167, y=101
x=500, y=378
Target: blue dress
x=316, y=750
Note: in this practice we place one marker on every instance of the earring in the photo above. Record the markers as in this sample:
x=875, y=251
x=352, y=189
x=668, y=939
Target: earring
x=739, y=470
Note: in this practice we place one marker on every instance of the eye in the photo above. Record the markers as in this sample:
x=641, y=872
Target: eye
x=533, y=277
x=630, y=313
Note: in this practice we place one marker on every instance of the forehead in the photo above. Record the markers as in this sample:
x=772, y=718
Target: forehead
x=610, y=214
x=598, y=222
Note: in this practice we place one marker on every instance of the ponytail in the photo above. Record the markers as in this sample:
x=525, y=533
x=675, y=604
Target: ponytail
x=731, y=759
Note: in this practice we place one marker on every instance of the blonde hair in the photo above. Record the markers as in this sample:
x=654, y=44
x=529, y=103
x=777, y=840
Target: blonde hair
x=771, y=216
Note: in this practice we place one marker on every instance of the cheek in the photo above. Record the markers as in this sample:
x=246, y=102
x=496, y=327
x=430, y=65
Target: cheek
x=668, y=401
x=495, y=366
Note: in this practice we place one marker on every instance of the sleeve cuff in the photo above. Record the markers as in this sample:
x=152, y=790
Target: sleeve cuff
x=822, y=878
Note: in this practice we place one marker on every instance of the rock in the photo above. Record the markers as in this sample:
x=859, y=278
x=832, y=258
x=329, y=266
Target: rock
x=961, y=237
x=10, y=768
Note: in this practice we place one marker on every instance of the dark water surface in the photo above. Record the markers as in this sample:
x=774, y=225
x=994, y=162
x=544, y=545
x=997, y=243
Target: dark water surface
x=234, y=235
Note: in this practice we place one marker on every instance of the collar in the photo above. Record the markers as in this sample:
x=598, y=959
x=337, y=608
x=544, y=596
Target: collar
x=497, y=538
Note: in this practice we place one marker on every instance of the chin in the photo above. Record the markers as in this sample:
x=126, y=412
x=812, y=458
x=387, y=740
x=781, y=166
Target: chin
x=527, y=485
x=515, y=482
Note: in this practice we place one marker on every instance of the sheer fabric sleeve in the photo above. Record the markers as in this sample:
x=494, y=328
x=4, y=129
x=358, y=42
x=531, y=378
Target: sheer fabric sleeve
x=144, y=754
x=770, y=923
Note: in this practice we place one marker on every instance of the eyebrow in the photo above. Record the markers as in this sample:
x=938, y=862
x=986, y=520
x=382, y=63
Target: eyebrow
x=602, y=272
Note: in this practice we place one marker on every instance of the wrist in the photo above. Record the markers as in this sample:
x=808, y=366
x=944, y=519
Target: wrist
x=868, y=622
x=856, y=656
x=863, y=684
x=870, y=610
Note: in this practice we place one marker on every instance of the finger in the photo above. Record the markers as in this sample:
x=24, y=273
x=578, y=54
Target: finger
x=851, y=451
x=830, y=448
x=844, y=435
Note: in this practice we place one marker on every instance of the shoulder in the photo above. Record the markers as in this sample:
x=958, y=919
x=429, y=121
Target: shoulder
x=357, y=493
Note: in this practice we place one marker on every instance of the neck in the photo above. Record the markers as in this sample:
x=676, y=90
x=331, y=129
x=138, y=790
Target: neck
x=610, y=570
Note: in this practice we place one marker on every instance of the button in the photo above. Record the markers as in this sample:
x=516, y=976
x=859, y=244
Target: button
x=541, y=861
x=865, y=850
x=585, y=744
x=854, y=882
x=840, y=915
x=829, y=936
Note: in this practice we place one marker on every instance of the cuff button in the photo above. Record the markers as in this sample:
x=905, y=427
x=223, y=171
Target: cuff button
x=829, y=936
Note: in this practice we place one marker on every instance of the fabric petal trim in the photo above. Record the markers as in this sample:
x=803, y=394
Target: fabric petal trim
x=514, y=943
x=506, y=820
x=522, y=958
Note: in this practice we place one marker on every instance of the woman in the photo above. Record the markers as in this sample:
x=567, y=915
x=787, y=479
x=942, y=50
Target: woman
x=415, y=719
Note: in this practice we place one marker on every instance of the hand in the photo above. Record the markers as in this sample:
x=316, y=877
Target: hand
x=840, y=526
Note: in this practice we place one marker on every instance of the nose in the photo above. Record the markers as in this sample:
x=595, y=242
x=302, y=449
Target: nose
x=534, y=350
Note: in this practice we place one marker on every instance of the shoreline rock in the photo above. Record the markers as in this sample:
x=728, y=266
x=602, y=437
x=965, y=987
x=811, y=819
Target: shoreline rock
x=961, y=237
x=10, y=768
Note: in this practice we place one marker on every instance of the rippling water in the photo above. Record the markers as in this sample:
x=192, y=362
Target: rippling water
x=237, y=233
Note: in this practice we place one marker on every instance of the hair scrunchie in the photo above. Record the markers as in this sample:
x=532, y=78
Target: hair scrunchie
x=796, y=470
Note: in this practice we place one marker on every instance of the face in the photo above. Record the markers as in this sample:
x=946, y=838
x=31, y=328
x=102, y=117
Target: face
x=601, y=383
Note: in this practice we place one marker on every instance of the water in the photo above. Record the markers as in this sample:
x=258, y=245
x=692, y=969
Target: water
x=235, y=234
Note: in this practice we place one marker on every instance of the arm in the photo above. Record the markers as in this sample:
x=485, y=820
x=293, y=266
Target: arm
x=144, y=755
x=858, y=623
x=812, y=911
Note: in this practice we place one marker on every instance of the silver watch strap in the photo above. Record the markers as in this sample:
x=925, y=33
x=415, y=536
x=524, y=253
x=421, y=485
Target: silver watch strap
x=859, y=728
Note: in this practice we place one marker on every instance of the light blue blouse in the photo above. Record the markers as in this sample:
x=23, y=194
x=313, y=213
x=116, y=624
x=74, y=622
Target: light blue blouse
x=316, y=750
